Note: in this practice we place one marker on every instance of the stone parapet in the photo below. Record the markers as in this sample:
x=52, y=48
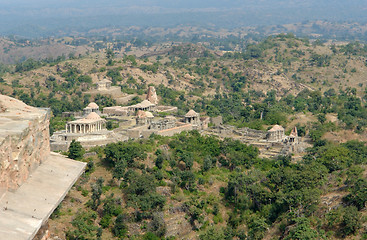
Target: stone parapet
x=24, y=211
x=24, y=141
x=33, y=181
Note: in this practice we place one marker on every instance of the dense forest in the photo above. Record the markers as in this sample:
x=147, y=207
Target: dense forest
x=223, y=188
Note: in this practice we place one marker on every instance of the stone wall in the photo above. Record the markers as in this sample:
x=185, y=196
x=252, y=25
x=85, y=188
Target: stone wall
x=250, y=133
x=116, y=111
x=113, y=91
x=24, y=141
x=173, y=131
x=166, y=109
x=217, y=121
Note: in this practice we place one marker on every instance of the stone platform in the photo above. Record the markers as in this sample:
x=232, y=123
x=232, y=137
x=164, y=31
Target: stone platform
x=24, y=210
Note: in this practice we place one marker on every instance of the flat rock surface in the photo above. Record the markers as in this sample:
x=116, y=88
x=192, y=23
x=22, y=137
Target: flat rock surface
x=22, y=212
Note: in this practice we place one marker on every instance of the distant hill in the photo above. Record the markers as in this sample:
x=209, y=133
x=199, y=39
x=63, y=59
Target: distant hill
x=45, y=18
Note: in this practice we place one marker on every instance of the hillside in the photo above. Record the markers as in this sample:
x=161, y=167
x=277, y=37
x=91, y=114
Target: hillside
x=193, y=186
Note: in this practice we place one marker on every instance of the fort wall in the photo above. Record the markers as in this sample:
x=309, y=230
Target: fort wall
x=33, y=181
x=24, y=141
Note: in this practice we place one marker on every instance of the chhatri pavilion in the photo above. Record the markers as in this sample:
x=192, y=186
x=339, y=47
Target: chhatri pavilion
x=92, y=123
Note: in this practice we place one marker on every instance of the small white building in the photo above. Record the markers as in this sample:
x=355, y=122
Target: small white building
x=143, y=106
x=144, y=118
x=104, y=84
x=92, y=107
x=276, y=134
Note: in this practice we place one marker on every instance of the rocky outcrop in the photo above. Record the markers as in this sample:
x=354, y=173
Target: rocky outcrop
x=24, y=141
x=152, y=95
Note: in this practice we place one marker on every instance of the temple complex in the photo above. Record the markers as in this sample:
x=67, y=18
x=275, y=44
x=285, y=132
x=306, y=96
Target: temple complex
x=271, y=143
x=142, y=119
x=135, y=121
x=89, y=131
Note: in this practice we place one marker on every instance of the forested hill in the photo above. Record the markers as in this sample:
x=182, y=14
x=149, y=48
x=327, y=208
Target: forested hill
x=280, y=72
x=203, y=187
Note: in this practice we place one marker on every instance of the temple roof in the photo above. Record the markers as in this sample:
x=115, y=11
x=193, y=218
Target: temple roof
x=146, y=103
x=92, y=105
x=191, y=113
x=276, y=128
x=143, y=104
x=93, y=116
x=105, y=80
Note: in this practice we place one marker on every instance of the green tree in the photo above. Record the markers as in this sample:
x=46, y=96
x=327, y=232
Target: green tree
x=76, y=151
x=212, y=234
x=302, y=231
x=358, y=195
x=84, y=227
x=351, y=221
x=120, y=228
x=158, y=225
x=208, y=163
x=96, y=194
x=110, y=55
x=257, y=228
x=142, y=194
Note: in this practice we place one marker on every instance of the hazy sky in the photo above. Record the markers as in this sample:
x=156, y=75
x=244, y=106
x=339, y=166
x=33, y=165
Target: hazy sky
x=51, y=15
